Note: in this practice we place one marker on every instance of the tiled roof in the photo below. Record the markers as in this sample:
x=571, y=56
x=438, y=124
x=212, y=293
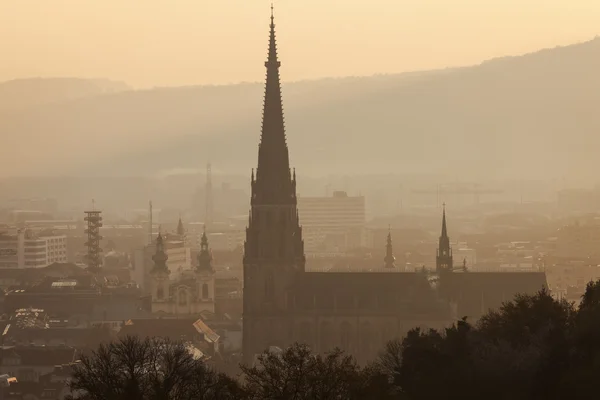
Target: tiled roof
x=174, y=329
x=477, y=292
x=38, y=355
x=209, y=334
x=74, y=336
x=350, y=281
x=36, y=390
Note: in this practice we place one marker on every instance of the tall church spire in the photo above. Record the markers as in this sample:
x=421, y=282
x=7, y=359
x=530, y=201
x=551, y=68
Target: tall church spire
x=444, y=229
x=273, y=184
x=274, y=234
x=274, y=249
x=444, y=254
x=389, y=252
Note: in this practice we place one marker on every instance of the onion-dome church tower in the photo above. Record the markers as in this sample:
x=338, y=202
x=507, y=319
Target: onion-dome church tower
x=192, y=293
x=160, y=273
x=205, y=275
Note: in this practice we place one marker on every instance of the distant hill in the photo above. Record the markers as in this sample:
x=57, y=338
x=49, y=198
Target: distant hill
x=532, y=115
x=22, y=93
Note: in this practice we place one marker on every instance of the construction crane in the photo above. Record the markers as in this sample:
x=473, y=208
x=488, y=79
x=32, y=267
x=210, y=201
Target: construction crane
x=458, y=188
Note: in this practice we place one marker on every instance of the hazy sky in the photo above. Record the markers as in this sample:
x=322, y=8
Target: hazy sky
x=179, y=42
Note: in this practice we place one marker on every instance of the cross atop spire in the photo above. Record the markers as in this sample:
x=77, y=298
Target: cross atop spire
x=272, y=18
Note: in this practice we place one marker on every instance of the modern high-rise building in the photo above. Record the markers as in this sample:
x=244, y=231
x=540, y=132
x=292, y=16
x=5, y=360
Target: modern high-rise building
x=26, y=249
x=332, y=223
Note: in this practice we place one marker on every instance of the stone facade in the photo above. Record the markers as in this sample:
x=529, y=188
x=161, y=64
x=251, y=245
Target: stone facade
x=192, y=293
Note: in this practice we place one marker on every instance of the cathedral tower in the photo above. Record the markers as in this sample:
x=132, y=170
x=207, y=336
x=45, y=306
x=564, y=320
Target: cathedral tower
x=444, y=253
x=274, y=249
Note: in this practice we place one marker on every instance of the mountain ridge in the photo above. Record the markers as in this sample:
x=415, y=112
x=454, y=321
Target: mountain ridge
x=502, y=117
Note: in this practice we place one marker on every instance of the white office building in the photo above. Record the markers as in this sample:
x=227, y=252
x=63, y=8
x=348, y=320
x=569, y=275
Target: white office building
x=333, y=223
x=26, y=249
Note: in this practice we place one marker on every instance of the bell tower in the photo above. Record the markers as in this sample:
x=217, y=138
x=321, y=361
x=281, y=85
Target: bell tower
x=205, y=277
x=274, y=249
x=159, y=276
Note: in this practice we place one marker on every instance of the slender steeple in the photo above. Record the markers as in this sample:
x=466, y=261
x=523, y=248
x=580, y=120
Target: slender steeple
x=444, y=229
x=160, y=257
x=180, y=228
x=274, y=235
x=444, y=260
x=389, y=252
x=273, y=184
x=205, y=255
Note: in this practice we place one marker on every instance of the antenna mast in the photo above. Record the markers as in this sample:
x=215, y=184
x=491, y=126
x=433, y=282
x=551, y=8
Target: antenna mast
x=209, y=198
x=150, y=222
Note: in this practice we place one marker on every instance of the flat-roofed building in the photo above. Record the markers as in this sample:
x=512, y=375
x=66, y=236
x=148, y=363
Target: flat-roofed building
x=332, y=223
x=26, y=249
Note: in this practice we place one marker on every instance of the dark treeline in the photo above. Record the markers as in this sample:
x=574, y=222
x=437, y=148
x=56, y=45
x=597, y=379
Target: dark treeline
x=534, y=347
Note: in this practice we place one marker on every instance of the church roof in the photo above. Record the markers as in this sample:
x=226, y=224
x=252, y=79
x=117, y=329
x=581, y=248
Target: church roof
x=477, y=292
x=507, y=282
x=343, y=281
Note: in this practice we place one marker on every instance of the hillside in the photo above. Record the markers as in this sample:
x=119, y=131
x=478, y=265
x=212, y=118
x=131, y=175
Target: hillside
x=532, y=115
x=24, y=93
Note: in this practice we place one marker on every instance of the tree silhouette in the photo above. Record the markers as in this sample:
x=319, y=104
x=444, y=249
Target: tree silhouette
x=298, y=374
x=521, y=351
x=533, y=347
x=132, y=369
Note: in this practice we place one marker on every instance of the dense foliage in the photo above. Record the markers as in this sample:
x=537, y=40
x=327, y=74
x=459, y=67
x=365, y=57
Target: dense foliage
x=534, y=347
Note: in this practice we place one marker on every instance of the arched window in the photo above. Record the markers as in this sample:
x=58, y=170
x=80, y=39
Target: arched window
x=205, y=290
x=160, y=292
x=182, y=297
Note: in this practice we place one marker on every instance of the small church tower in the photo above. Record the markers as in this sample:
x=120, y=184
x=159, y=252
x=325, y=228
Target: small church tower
x=205, y=276
x=180, y=228
x=160, y=273
x=444, y=253
x=181, y=234
x=389, y=259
